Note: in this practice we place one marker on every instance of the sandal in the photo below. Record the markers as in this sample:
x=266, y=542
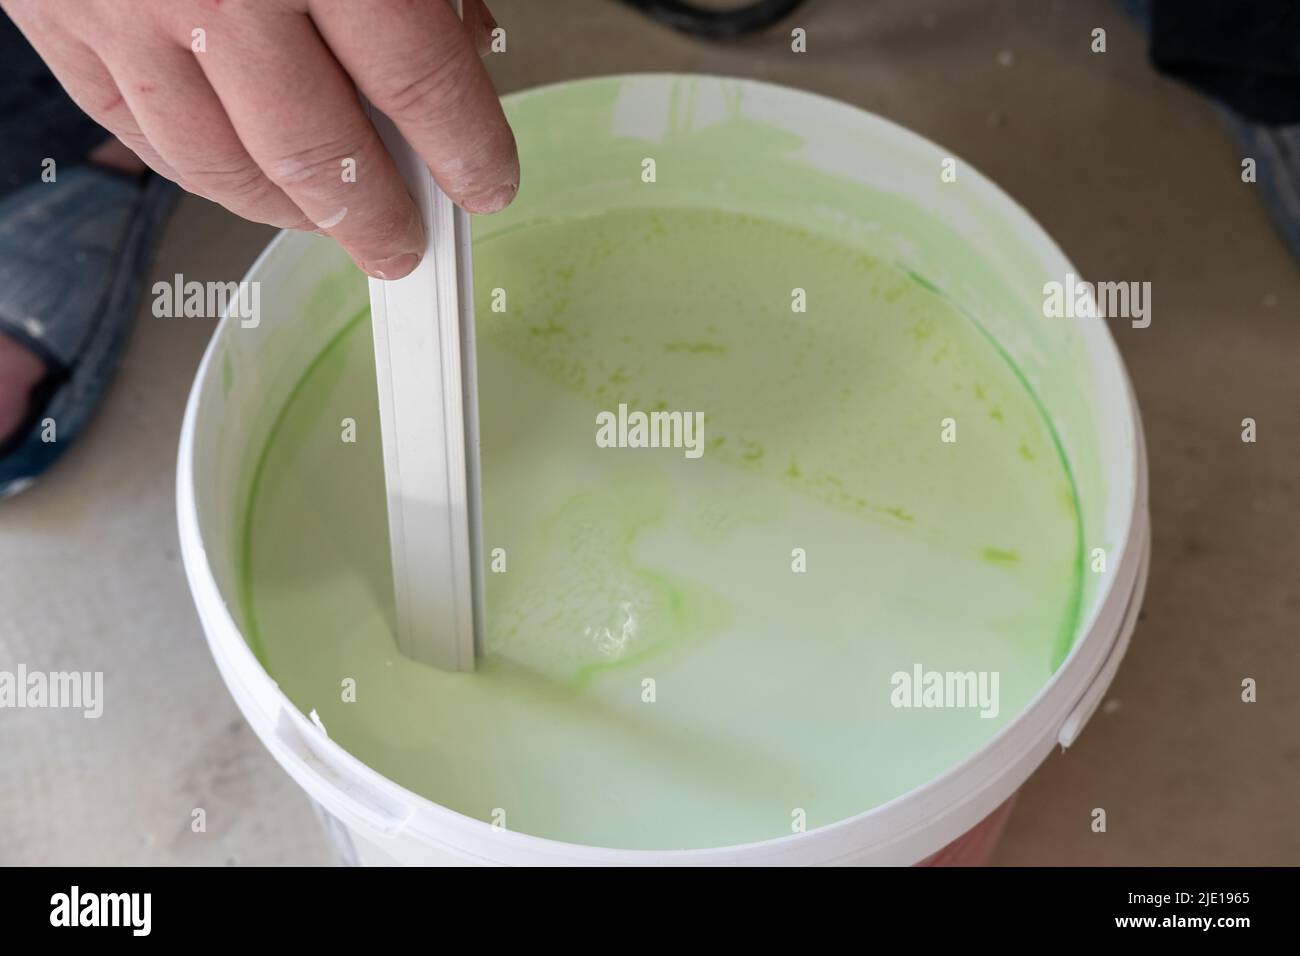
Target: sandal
x=73, y=255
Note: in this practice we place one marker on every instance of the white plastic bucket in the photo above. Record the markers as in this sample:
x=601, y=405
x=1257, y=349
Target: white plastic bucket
x=577, y=140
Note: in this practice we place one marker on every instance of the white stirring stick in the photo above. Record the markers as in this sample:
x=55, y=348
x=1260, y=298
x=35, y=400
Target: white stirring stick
x=428, y=406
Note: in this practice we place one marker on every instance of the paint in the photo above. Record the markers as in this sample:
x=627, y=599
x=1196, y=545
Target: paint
x=685, y=652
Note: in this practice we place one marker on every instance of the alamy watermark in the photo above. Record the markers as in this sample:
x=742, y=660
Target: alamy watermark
x=946, y=690
x=208, y=300
x=635, y=429
x=1077, y=299
x=64, y=690
x=129, y=910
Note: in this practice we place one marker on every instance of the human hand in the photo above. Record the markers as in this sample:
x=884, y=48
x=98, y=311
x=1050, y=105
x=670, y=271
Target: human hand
x=253, y=104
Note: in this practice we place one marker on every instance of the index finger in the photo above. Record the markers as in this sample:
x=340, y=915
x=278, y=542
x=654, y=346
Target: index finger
x=297, y=113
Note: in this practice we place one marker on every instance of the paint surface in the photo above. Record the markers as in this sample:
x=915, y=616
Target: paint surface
x=685, y=652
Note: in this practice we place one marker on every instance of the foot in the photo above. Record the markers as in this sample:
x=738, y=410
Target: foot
x=21, y=369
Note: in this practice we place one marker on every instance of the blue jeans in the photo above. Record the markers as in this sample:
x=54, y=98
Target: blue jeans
x=38, y=121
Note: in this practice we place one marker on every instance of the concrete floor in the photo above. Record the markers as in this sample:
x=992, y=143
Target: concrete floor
x=1135, y=178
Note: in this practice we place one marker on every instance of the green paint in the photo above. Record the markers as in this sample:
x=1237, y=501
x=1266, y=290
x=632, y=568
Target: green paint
x=924, y=283
x=772, y=687
x=279, y=438
x=1000, y=556
x=696, y=348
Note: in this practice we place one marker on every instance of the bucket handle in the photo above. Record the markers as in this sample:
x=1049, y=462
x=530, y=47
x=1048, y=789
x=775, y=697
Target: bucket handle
x=368, y=807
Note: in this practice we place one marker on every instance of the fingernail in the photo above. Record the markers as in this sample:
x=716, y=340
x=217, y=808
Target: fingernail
x=494, y=200
x=394, y=268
